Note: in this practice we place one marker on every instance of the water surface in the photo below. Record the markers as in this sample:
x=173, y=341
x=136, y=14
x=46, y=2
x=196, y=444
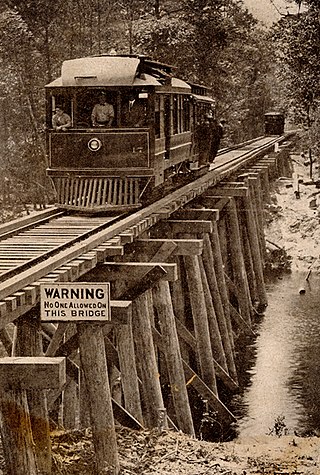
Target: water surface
x=284, y=371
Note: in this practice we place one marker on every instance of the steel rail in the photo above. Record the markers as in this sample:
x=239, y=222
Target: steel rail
x=22, y=224
x=53, y=250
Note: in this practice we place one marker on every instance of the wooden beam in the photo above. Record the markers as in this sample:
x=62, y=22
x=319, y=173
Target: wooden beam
x=124, y=417
x=32, y=372
x=202, y=214
x=145, y=283
x=185, y=247
x=217, y=202
x=56, y=339
x=188, y=226
x=121, y=311
x=229, y=190
x=235, y=315
x=133, y=270
x=105, y=251
x=126, y=237
x=206, y=393
x=184, y=333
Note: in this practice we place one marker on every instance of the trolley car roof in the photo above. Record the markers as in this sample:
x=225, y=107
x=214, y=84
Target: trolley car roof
x=103, y=71
x=112, y=71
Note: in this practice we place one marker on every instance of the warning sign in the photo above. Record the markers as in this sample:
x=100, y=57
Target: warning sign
x=75, y=302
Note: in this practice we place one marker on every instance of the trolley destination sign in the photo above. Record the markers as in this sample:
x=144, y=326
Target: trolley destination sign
x=75, y=302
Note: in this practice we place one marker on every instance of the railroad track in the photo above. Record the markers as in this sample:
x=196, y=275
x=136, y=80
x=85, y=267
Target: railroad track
x=56, y=246
x=37, y=241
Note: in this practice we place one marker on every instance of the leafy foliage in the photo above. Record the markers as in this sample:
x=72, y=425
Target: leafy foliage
x=298, y=54
x=213, y=42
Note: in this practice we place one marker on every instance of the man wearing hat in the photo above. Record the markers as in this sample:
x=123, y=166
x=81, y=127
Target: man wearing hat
x=102, y=113
x=217, y=132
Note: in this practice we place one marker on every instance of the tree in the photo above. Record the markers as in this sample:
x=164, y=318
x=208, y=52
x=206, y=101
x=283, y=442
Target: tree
x=298, y=55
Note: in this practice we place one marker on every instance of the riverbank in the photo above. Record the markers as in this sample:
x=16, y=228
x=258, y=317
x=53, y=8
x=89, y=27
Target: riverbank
x=292, y=224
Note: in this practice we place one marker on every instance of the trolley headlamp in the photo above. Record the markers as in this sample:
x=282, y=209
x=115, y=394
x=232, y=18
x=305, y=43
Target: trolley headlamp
x=94, y=144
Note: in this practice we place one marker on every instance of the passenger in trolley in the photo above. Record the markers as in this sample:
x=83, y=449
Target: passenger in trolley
x=61, y=120
x=134, y=112
x=102, y=113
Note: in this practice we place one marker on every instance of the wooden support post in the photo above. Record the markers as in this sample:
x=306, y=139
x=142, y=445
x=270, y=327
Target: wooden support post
x=256, y=200
x=94, y=364
x=203, y=390
x=200, y=319
x=250, y=178
x=70, y=400
x=6, y=340
x=16, y=433
x=146, y=361
x=247, y=255
x=134, y=271
x=263, y=171
x=266, y=185
x=142, y=336
x=129, y=374
x=163, y=305
x=221, y=313
x=20, y=437
x=222, y=240
x=178, y=301
x=255, y=252
x=215, y=336
x=219, y=268
x=296, y=186
x=29, y=343
x=237, y=262
x=83, y=402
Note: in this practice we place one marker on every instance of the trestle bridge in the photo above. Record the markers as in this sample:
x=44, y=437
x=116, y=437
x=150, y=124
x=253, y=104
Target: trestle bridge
x=187, y=279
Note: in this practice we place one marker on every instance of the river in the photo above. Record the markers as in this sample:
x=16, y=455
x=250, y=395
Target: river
x=283, y=362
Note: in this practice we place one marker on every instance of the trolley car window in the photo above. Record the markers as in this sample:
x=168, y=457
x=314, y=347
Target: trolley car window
x=186, y=114
x=181, y=114
x=131, y=108
x=175, y=114
x=134, y=108
x=157, y=118
x=64, y=103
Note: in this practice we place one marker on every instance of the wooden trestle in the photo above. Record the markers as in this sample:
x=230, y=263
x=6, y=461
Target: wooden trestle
x=183, y=291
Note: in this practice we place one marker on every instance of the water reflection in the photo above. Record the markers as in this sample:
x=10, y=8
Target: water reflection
x=285, y=371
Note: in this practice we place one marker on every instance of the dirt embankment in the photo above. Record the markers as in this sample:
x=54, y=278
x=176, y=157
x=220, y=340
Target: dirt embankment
x=292, y=223
x=171, y=453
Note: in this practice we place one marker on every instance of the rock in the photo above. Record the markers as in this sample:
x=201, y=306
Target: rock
x=313, y=203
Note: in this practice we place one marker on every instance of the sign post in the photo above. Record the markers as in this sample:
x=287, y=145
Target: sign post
x=88, y=305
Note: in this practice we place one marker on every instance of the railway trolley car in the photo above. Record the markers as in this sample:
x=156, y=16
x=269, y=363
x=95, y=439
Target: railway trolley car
x=274, y=123
x=98, y=166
